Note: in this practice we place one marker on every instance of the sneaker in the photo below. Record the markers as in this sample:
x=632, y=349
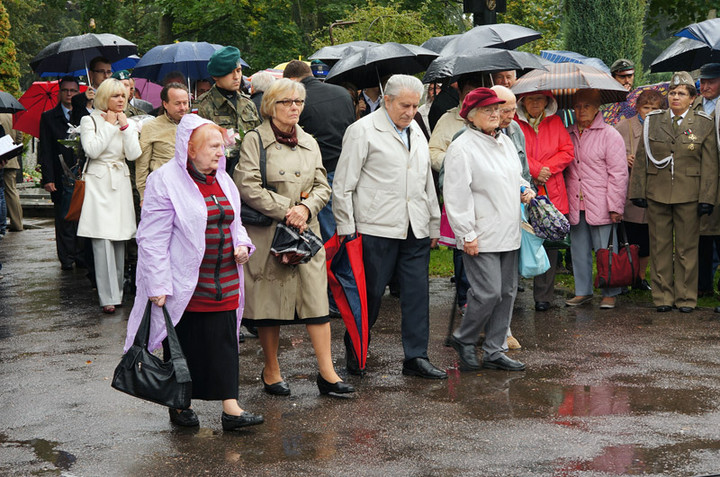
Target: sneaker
x=513, y=343
x=578, y=300
x=607, y=303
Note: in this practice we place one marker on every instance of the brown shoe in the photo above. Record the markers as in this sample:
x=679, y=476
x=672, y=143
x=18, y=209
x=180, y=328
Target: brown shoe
x=578, y=300
x=513, y=343
x=607, y=303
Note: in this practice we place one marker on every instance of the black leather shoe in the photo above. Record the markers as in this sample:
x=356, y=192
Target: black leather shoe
x=276, y=389
x=232, y=423
x=504, y=363
x=542, y=306
x=467, y=354
x=685, y=309
x=351, y=363
x=643, y=285
x=339, y=387
x=66, y=266
x=663, y=308
x=422, y=367
x=520, y=288
x=184, y=418
x=717, y=309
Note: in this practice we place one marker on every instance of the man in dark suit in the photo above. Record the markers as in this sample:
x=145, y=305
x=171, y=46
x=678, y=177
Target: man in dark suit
x=54, y=124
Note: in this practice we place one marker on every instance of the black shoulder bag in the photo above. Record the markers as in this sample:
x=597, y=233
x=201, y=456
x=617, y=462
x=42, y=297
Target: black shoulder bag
x=144, y=375
x=248, y=215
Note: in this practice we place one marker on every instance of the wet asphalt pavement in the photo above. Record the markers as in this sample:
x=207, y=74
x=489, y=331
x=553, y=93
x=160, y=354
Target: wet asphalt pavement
x=621, y=392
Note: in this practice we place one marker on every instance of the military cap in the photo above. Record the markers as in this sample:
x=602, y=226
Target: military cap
x=121, y=75
x=223, y=61
x=710, y=71
x=622, y=65
x=680, y=78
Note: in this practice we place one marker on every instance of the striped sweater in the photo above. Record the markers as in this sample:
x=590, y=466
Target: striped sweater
x=218, y=286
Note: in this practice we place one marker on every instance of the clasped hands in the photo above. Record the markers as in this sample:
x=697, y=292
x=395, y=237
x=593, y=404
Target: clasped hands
x=112, y=117
x=297, y=216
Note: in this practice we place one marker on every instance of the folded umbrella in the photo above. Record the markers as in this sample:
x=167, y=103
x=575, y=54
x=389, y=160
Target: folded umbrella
x=481, y=60
x=564, y=56
x=292, y=247
x=564, y=79
x=8, y=103
x=346, y=277
x=39, y=97
x=333, y=53
x=685, y=54
x=707, y=32
x=500, y=35
x=73, y=53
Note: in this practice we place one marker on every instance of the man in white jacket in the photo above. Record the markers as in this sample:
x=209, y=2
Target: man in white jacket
x=384, y=190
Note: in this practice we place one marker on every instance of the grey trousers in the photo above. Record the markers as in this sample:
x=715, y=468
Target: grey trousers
x=109, y=258
x=493, y=281
x=585, y=238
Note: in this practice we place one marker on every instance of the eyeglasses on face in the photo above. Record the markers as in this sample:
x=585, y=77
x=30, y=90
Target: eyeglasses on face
x=289, y=102
x=490, y=110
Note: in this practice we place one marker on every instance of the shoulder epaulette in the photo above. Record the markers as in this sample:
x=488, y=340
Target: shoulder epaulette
x=704, y=115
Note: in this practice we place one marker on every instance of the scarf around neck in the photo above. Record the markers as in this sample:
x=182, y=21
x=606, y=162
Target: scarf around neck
x=289, y=139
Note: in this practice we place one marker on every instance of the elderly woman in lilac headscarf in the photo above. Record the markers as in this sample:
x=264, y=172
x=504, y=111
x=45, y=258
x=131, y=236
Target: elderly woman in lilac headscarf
x=191, y=247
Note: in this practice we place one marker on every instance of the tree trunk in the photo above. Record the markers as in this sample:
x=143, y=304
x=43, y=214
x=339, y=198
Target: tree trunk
x=165, y=34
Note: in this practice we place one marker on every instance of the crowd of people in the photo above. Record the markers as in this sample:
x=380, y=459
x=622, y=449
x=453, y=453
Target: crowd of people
x=166, y=199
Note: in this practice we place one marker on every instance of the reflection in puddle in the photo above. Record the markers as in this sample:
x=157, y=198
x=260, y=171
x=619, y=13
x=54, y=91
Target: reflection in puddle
x=45, y=450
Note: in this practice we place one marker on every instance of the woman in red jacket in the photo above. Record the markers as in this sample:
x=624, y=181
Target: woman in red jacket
x=549, y=150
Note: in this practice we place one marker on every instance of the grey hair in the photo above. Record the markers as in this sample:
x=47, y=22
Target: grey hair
x=261, y=81
x=397, y=83
x=470, y=115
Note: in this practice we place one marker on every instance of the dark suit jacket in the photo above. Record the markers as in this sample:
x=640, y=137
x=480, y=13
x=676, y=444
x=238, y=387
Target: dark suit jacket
x=79, y=108
x=53, y=126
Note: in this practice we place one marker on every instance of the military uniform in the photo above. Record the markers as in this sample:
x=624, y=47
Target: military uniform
x=686, y=176
x=239, y=115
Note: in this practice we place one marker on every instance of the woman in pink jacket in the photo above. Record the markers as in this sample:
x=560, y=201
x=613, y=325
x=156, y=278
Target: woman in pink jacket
x=191, y=247
x=549, y=151
x=597, y=182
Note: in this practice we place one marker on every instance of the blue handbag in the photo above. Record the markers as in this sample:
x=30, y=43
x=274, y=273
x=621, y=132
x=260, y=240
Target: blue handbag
x=533, y=260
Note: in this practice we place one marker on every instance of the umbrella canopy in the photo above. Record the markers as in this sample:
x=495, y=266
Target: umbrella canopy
x=563, y=56
x=40, y=97
x=188, y=57
x=149, y=91
x=332, y=54
x=365, y=68
x=707, y=32
x=564, y=79
x=123, y=64
x=685, y=54
x=437, y=43
x=481, y=60
x=75, y=52
x=8, y=103
x=501, y=35
x=615, y=113
x=282, y=66
x=346, y=277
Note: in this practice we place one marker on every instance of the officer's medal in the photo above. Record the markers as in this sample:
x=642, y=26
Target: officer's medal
x=692, y=137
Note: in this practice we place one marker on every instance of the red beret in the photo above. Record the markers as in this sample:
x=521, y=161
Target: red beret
x=478, y=98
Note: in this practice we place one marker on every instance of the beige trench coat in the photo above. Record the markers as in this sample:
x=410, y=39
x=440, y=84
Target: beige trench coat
x=631, y=132
x=273, y=290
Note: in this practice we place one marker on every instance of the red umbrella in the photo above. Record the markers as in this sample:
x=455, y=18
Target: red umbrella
x=40, y=97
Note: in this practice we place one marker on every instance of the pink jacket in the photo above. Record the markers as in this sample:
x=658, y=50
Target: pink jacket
x=171, y=238
x=599, y=170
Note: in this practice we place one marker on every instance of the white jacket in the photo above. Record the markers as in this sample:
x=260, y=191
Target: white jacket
x=107, y=211
x=381, y=188
x=481, y=187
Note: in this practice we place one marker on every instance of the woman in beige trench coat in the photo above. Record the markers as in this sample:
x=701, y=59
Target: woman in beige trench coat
x=279, y=294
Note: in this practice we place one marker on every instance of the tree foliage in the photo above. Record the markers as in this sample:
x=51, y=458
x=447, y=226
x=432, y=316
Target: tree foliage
x=9, y=70
x=679, y=13
x=540, y=15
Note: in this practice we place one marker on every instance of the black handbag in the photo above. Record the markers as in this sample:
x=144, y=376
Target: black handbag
x=248, y=215
x=293, y=246
x=145, y=376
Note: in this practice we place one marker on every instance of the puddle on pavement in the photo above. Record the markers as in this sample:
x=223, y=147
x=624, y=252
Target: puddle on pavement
x=45, y=450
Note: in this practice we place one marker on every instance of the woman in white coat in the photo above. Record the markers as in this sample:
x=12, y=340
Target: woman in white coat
x=482, y=189
x=107, y=216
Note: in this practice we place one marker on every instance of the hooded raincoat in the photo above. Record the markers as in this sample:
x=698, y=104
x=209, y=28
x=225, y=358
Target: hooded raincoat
x=171, y=237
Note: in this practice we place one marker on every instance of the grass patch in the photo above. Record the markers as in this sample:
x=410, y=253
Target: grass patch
x=441, y=262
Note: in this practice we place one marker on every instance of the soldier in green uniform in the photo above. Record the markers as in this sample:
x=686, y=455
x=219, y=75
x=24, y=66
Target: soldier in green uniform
x=224, y=104
x=675, y=176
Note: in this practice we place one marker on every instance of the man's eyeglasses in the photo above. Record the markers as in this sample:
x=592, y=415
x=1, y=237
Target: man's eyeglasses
x=289, y=102
x=107, y=72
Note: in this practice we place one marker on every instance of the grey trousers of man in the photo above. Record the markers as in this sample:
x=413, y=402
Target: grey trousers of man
x=109, y=257
x=12, y=197
x=493, y=278
x=584, y=238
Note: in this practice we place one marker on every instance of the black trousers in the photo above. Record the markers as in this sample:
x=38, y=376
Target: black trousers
x=408, y=260
x=66, y=238
x=705, y=262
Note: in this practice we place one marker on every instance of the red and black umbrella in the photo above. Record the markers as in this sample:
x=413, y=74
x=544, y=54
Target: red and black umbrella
x=40, y=97
x=346, y=276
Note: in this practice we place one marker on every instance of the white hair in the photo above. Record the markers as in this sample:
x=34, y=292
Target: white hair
x=397, y=83
x=261, y=81
x=503, y=92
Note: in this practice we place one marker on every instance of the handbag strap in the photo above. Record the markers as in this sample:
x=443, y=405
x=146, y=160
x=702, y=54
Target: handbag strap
x=625, y=241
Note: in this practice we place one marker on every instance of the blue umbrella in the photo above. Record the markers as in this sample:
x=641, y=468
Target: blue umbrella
x=188, y=57
x=124, y=64
x=707, y=32
x=562, y=56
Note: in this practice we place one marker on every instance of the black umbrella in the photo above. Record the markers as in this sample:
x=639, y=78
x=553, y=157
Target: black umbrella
x=75, y=52
x=707, y=32
x=365, y=68
x=685, y=54
x=501, y=35
x=437, y=43
x=332, y=54
x=8, y=103
x=482, y=60
x=292, y=247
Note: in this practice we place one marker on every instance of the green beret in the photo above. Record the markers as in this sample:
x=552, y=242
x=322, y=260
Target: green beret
x=223, y=61
x=622, y=65
x=680, y=78
x=121, y=75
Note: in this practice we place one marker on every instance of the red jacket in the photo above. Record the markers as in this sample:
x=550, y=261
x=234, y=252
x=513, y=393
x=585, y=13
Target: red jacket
x=550, y=147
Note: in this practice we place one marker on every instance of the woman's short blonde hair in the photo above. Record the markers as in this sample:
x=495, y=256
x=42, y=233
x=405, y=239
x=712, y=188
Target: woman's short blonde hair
x=279, y=89
x=107, y=89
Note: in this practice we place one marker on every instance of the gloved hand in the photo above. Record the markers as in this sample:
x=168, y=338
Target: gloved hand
x=704, y=209
x=642, y=203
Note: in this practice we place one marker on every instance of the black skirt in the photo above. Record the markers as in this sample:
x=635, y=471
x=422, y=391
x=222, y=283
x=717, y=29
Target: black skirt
x=319, y=320
x=209, y=342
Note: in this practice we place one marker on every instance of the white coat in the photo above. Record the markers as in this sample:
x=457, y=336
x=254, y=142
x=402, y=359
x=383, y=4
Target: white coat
x=107, y=211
